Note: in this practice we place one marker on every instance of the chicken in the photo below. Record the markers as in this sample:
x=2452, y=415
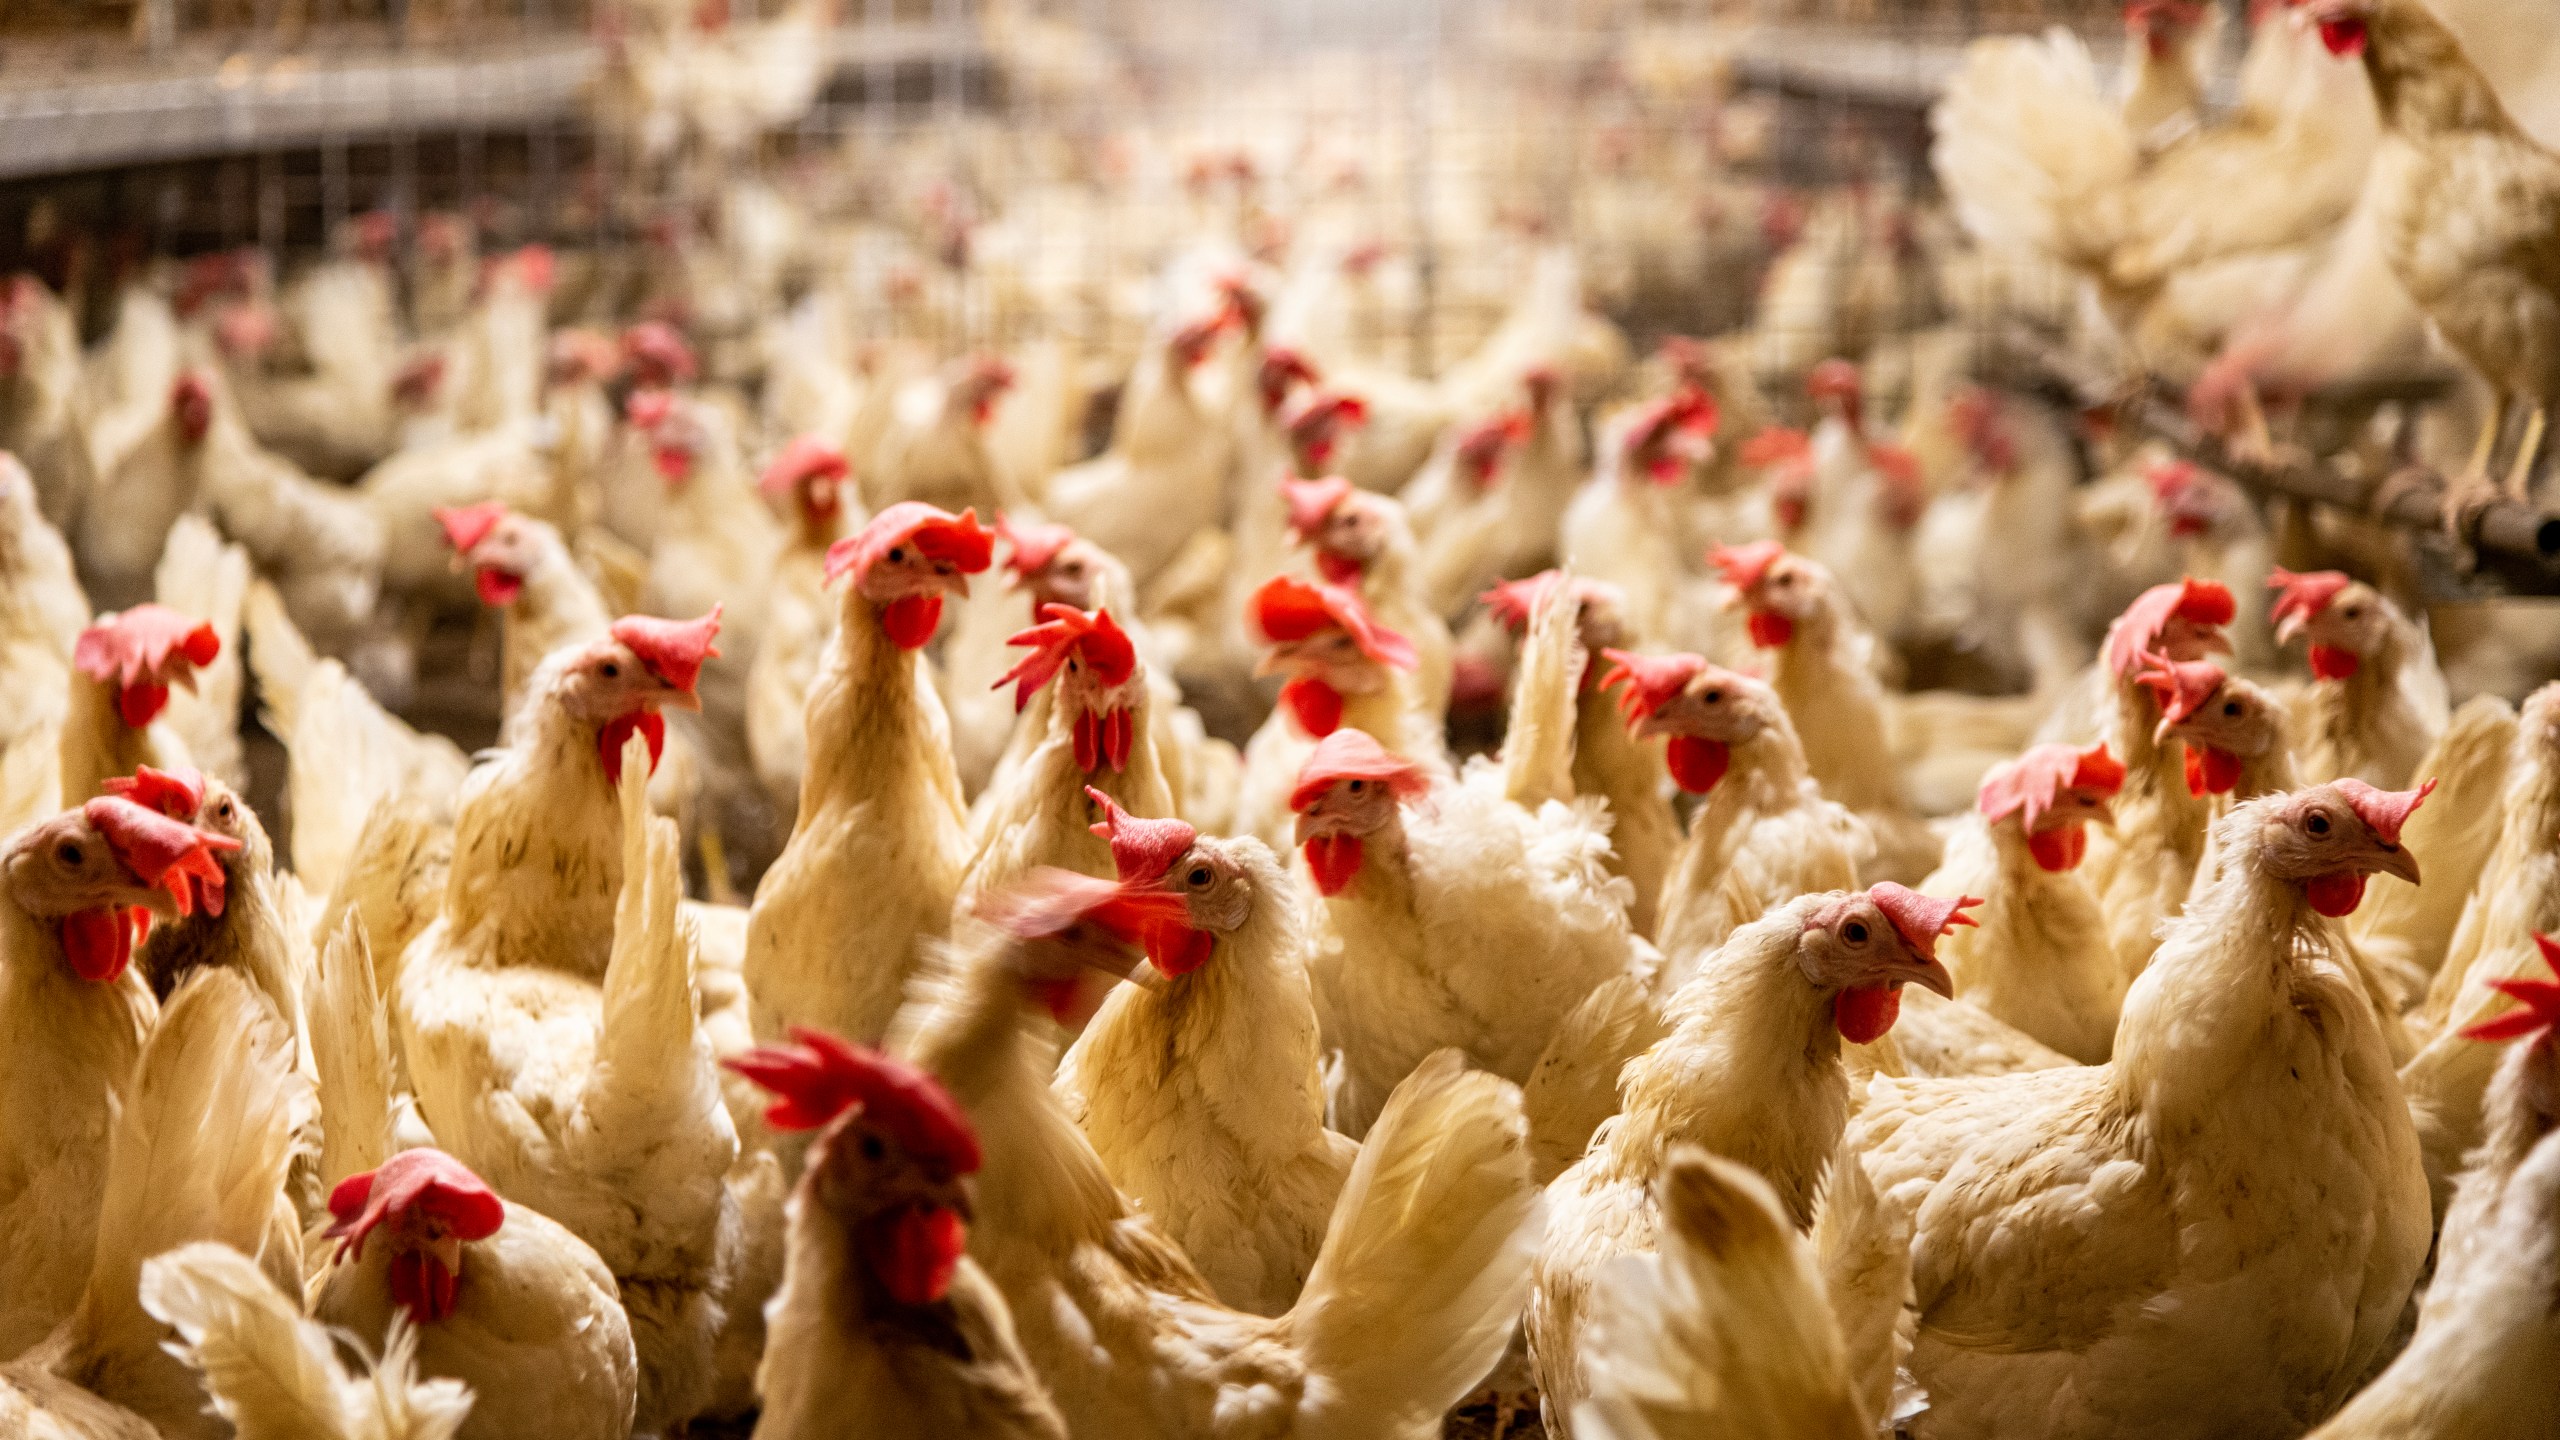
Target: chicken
x=547, y=1013
x=1764, y=834
x=1608, y=761
x=807, y=480
x=2102, y=1244
x=79, y=888
x=2039, y=959
x=320, y=545
x=2517, y=898
x=1361, y=541
x=521, y=568
x=1467, y=914
x=1726, y=1331
x=1163, y=476
x=39, y=384
x=2142, y=869
x=1821, y=670
x=2469, y=208
x=42, y=612
x=1624, y=525
x=1346, y=672
x=2408, y=929
x=880, y=799
x=1409, y=1303
x=1751, y=1071
x=719, y=542
x=935, y=448
x=337, y=417
x=1099, y=740
x=1471, y=525
x=1243, y=1114
x=196, y=1151
x=141, y=490
x=538, y=1335
x=2472, y=1368
x=1861, y=502
x=277, y=1376
x=2376, y=704
x=885, y=1326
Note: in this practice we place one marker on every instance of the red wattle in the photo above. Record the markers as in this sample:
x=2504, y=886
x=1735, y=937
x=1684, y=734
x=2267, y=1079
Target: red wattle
x=1339, y=569
x=1179, y=950
x=2211, y=771
x=2343, y=36
x=1865, y=1012
x=1119, y=732
x=911, y=620
x=98, y=943
x=914, y=1250
x=2335, y=895
x=420, y=1282
x=652, y=727
x=1790, y=511
x=1333, y=860
x=1088, y=741
x=2059, y=850
x=1316, y=706
x=1696, y=764
x=674, y=462
x=141, y=704
x=1769, y=629
x=2332, y=662
x=498, y=589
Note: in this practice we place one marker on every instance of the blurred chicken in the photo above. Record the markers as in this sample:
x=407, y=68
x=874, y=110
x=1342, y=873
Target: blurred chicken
x=1163, y=476
x=2376, y=703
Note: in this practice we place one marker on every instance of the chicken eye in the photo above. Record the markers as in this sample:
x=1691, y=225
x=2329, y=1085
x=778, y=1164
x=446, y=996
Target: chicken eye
x=1713, y=697
x=2319, y=824
x=1199, y=875
x=872, y=1149
x=897, y=555
x=2231, y=708
x=69, y=854
x=1358, y=787
x=1855, y=932
x=611, y=670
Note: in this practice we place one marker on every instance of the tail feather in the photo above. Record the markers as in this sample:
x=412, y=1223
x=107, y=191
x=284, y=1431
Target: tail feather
x=1426, y=1265
x=279, y=657
x=198, y=1151
x=1575, y=1086
x=202, y=576
x=1863, y=1245
x=275, y=1375
x=394, y=879
x=351, y=1048
x=1537, y=748
x=2025, y=139
x=1722, y=1332
x=2409, y=929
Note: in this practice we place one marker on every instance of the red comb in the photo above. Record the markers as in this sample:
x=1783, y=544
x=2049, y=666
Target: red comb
x=466, y=526
x=1775, y=446
x=1921, y=918
x=1288, y=609
x=804, y=459
x=2181, y=687
x=2032, y=781
x=1141, y=850
x=672, y=649
x=1837, y=379
x=2383, y=811
x=649, y=409
x=1282, y=369
x=413, y=1179
x=937, y=534
x=1312, y=502
x=1066, y=632
x=2539, y=1012
x=2306, y=594
x=1745, y=566
x=177, y=792
x=1032, y=546
x=1355, y=755
x=2201, y=602
x=1651, y=680
x=1514, y=601
x=1480, y=446
x=817, y=1077
x=163, y=852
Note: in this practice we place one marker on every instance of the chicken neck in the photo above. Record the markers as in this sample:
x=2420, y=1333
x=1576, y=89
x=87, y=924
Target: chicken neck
x=2423, y=83
x=1644, y=835
x=1765, y=776
x=1750, y=1071
x=97, y=745
x=537, y=854
x=559, y=606
x=1819, y=676
x=874, y=729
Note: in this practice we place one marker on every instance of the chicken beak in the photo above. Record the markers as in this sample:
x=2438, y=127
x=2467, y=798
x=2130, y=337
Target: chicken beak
x=2101, y=812
x=1311, y=825
x=1925, y=971
x=1279, y=660
x=674, y=699
x=2396, y=860
x=2289, y=628
x=447, y=1250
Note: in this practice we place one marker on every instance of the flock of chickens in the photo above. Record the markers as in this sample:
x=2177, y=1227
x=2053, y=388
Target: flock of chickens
x=1751, y=1043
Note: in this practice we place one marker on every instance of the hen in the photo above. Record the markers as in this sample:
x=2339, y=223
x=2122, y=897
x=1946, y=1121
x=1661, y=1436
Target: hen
x=2376, y=703
x=2101, y=1244
x=885, y=1327
x=1410, y=1300
x=1345, y=672
x=1163, y=476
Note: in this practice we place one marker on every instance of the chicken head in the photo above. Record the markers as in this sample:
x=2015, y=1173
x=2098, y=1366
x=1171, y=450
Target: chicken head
x=427, y=1205
x=2224, y=720
x=2181, y=620
x=1075, y=936
x=143, y=651
x=2053, y=792
x=1324, y=639
x=2328, y=838
x=1702, y=710
x=807, y=476
x=1346, y=526
x=499, y=545
x=2341, y=619
x=619, y=684
x=1099, y=683
x=1210, y=876
x=1781, y=591
x=1350, y=790
x=1863, y=946
x=97, y=870
x=907, y=559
